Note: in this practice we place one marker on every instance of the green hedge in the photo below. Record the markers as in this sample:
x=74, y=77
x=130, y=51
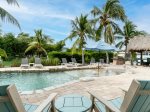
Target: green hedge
x=78, y=56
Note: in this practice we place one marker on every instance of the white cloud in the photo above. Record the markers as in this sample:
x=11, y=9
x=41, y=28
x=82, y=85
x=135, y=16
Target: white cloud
x=57, y=32
x=37, y=11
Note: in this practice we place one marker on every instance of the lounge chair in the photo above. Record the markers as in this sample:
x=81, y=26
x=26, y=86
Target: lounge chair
x=93, y=62
x=101, y=61
x=10, y=101
x=136, y=99
x=24, y=63
x=37, y=63
x=75, y=62
x=64, y=62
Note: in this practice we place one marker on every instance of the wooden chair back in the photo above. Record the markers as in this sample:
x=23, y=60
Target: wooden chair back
x=10, y=100
x=137, y=99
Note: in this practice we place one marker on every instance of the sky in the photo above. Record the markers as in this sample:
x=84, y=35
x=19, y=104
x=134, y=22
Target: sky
x=54, y=16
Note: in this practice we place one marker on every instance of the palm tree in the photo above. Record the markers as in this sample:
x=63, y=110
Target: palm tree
x=6, y=16
x=105, y=18
x=38, y=43
x=81, y=30
x=128, y=32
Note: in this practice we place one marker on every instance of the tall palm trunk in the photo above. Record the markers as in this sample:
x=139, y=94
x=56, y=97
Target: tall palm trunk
x=125, y=55
x=126, y=45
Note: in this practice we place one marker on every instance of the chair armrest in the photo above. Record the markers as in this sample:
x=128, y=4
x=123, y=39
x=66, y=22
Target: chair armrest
x=108, y=105
x=46, y=102
x=124, y=90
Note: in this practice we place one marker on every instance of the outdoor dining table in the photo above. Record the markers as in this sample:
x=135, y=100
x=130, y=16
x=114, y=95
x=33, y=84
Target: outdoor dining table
x=73, y=103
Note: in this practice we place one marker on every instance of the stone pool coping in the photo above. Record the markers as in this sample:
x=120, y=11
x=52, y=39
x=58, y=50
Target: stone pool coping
x=39, y=91
x=50, y=69
x=46, y=69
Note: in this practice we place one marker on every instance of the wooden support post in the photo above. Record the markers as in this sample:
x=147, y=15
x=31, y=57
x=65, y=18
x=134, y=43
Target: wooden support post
x=107, y=109
x=53, y=106
x=92, y=107
x=141, y=58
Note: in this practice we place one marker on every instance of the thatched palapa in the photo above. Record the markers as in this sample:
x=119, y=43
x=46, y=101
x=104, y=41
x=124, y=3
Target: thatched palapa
x=139, y=44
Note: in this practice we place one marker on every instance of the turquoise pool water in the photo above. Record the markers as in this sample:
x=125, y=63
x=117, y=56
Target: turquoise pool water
x=33, y=81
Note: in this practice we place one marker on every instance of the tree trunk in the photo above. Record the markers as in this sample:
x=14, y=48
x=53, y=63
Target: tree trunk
x=125, y=56
x=126, y=45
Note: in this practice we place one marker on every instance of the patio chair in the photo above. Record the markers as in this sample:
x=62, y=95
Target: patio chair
x=37, y=63
x=75, y=62
x=101, y=61
x=93, y=62
x=136, y=99
x=64, y=62
x=10, y=101
x=24, y=63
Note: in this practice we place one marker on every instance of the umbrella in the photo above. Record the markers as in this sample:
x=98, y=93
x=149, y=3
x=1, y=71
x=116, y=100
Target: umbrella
x=102, y=46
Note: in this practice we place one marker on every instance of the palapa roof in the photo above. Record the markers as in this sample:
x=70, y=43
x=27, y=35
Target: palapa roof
x=139, y=43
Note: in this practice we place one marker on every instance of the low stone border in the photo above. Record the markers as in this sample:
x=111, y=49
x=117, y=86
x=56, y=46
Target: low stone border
x=46, y=69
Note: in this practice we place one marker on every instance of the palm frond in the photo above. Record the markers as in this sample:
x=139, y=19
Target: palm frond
x=6, y=16
x=96, y=11
x=12, y=2
x=109, y=4
x=99, y=32
x=76, y=44
x=30, y=48
x=72, y=35
x=42, y=50
x=117, y=12
x=116, y=28
x=120, y=44
x=114, y=10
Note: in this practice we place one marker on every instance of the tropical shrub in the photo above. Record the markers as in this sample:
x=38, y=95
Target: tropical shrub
x=50, y=62
x=1, y=65
x=16, y=63
x=31, y=60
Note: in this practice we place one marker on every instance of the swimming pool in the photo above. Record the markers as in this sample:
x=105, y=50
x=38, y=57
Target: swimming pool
x=34, y=81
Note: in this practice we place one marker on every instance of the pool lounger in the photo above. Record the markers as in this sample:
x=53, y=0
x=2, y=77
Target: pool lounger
x=24, y=63
x=37, y=63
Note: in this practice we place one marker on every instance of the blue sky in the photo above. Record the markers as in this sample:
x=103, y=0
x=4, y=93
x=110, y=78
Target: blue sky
x=54, y=16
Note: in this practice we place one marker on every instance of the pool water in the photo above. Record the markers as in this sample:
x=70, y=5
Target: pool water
x=39, y=80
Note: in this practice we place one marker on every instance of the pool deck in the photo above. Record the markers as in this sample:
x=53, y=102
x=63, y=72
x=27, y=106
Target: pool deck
x=47, y=68
x=107, y=86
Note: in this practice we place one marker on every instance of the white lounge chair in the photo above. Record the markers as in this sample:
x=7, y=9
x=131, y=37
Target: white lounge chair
x=24, y=63
x=136, y=99
x=93, y=62
x=37, y=63
x=64, y=62
x=75, y=62
x=10, y=101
